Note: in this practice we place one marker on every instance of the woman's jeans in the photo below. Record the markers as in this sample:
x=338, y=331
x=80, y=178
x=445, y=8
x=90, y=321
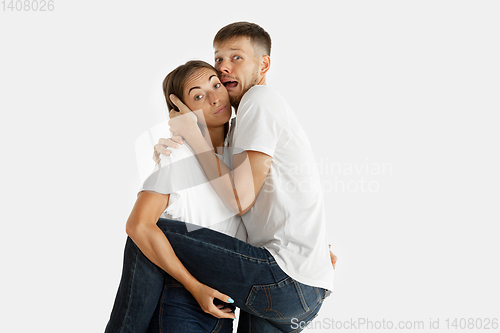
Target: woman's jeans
x=179, y=312
x=270, y=300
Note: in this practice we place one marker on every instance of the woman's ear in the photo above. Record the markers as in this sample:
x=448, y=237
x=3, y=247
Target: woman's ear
x=265, y=64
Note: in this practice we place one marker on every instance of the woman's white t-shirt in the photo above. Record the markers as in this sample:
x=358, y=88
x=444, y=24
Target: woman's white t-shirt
x=192, y=197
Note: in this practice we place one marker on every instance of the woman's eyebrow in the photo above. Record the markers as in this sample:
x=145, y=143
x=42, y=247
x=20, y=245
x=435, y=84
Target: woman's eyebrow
x=192, y=89
x=210, y=78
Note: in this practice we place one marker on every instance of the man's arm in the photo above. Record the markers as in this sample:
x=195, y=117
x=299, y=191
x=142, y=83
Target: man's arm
x=238, y=189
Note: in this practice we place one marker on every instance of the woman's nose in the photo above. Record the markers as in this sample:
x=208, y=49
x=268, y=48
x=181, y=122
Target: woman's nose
x=214, y=98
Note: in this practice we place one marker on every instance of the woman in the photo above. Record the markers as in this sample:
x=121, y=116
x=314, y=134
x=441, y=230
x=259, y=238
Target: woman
x=270, y=300
x=178, y=189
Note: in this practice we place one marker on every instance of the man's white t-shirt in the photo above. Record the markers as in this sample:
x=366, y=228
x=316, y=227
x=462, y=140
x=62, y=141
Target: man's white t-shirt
x=192, y=197
x=288, y=216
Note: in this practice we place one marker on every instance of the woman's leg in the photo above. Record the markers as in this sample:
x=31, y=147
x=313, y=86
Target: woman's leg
x=140, y=289
x=248, y=274
x=178, y=312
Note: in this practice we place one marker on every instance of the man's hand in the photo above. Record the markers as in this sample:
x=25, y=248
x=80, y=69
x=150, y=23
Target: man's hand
x=333, y=257
x=163, y=144
x=205, y=295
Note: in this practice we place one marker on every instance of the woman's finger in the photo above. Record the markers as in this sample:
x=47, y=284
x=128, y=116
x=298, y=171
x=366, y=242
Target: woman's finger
x=214, y=311
x=173, y=113
x=222, y=297
x=177, y=102
x=224, y=309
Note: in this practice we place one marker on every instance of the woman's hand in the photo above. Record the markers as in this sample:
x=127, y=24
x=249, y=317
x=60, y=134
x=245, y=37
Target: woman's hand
x=186, y=121
x=205, y=295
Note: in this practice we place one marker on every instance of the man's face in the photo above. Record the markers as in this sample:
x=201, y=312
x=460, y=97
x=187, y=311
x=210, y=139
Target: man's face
x=238, y=67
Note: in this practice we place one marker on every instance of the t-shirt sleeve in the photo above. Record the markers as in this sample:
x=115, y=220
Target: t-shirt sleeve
x=260, y=123
x=175, y=173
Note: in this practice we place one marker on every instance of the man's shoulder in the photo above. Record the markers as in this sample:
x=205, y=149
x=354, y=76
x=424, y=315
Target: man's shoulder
x=263, y=96
x=261, y=91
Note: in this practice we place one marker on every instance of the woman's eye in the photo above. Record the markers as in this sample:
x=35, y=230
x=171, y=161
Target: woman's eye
x=217, y=86
x=198, y=97
x=236, y=57
x=218, y=59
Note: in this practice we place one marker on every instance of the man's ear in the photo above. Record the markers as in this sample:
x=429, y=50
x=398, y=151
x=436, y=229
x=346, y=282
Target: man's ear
x=265, y=64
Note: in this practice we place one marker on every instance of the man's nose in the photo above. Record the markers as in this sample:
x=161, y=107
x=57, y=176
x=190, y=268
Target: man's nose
x=225, y=67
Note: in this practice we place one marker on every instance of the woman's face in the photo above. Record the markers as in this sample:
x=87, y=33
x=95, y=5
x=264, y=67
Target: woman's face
x=204, y=91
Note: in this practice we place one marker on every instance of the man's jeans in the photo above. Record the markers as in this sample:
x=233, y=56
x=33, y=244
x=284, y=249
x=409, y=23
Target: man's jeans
x=274, y=302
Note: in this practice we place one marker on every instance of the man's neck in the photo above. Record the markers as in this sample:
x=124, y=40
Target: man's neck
x=262, y=82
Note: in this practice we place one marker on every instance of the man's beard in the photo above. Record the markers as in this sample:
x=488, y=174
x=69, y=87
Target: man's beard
x=235, y=100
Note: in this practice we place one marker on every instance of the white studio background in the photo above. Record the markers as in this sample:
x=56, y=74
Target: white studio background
x=398, y=99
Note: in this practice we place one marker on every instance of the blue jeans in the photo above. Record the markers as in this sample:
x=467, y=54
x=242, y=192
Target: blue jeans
x=271, y=300
x=178, y=312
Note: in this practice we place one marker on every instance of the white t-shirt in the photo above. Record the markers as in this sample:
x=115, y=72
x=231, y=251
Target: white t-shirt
x=192, y=197
x=288, y=215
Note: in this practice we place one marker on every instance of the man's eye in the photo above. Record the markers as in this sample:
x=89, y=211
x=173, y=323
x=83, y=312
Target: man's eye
x=198, y=97
x=236, y=57
x=218, y=59
x=217, y=86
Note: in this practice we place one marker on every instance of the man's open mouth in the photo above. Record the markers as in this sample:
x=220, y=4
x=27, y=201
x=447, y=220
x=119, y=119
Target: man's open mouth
x=230, y=84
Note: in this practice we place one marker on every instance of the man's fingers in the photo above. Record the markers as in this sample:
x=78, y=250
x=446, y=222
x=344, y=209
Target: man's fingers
x=161, y=149
x=177, y=102
x=333, y=258
x=170, y=142
x=156, y=157
x=178, y=139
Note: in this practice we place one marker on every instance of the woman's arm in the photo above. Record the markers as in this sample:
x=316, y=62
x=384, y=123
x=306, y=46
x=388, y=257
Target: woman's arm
x=142, y=229
x=237, y=188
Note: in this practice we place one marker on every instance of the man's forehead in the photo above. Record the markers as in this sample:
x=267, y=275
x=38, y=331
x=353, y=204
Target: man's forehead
x=235, y=44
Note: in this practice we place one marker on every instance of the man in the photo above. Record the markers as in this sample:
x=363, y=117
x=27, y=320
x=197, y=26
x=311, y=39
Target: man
x=274, y=185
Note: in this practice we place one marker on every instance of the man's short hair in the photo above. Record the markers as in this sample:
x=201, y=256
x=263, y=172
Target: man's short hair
x=258, y=36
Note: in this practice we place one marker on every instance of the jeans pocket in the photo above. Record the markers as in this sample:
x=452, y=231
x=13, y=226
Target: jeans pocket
x=281, y=301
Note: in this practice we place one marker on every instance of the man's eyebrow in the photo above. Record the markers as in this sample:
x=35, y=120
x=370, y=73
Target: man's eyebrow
x=232, y=50
x=210, y=78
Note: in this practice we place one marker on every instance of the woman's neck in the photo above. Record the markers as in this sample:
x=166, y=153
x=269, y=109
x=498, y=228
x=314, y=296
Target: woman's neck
x=217, y=135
